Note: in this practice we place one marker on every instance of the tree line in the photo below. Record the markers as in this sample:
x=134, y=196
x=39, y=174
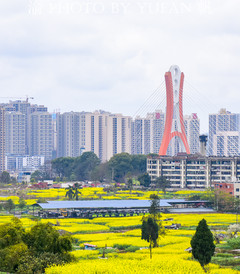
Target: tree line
x=89, y=167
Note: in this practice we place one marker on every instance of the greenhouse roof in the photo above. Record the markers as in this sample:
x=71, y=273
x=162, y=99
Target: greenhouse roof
x=101, y=204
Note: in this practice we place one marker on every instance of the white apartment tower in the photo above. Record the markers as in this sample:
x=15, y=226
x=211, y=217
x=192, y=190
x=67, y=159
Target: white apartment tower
x=192, y=129
x=2, y=140
x=41, y=135
x=68, y=134
x=224, y=134
x=101, y=132
x=147, y=133
x=15, y=130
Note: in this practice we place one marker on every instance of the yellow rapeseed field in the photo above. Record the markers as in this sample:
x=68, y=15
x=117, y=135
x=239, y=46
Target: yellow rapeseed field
x=170, y=257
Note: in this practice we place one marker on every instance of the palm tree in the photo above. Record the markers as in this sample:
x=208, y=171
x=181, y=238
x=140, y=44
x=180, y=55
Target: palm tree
x=69, y=193
x=77, y=192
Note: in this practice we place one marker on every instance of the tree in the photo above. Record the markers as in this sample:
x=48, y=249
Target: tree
x=101, y=173
x=37, y=176
x=77, y=192
x=32, y=251
x=9, y=205
x=85, y=165
x=44, y=238
x=69, y=193
x=154, y=209
x=202, y=244
x=63, y=166
x=144, y=179
x=130, y=184
x=162, y=183
x=22, y=203
x=150, y=232
x=120, y=165
x=11, y=233
x=139, y=164
x=224, y=202
x=13, y=180
x=5, y=177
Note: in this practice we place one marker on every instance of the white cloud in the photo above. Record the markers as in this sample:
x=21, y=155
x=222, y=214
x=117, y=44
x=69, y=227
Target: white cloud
x=113, y=55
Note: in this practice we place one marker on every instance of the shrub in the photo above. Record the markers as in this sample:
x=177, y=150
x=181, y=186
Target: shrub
x=132, y=248
x=234, y=242
x=121, y=246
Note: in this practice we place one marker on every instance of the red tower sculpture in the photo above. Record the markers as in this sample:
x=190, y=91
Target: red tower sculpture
x=174, y=90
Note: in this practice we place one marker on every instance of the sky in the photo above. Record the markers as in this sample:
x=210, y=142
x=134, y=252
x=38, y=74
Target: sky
x=76, y=55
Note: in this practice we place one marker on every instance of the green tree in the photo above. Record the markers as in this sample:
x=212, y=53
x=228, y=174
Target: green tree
x=13, y=180
x=85, y=165
x=37, y=264
x=101, y=172
x=44, y=238
x=63, y=166
x=11, y=233
x=202, y=244
x=33, y=251
x=22, y=203
x=144, y=179
x=154, y=209
x=5, y=177
x=37, y=176
x=69, y=193
x=130, y=184
x=139, y=164
x=162, y=183
x=150, y=232
x=120, y=165
x=10, y=257
x=76, y=191
x=9, y=205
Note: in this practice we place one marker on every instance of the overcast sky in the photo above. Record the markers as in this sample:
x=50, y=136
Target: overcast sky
x=111, y=55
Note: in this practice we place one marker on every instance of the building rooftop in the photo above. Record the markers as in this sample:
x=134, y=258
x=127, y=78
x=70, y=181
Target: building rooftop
x=101, y=204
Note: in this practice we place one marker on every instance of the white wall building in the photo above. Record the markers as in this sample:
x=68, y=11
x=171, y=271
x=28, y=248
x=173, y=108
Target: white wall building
x=41, y=135
x=101, y=132
x=147, y=133
x=15, y=130
x=224, y=134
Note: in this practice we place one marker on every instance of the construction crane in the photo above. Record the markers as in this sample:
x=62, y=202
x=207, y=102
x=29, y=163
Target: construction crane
x=21, y=98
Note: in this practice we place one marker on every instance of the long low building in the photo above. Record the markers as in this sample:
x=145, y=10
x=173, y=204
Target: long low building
x=88, y=209
x=194, y=171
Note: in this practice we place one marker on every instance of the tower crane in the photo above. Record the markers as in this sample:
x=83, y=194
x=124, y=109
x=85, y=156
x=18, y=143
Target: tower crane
x=21, y=98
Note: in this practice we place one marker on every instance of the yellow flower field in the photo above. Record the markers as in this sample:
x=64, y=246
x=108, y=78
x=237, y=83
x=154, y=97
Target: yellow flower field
x=170, y=257
x=167, y=264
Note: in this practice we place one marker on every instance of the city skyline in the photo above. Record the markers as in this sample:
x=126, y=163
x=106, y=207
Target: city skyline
x=113, y=57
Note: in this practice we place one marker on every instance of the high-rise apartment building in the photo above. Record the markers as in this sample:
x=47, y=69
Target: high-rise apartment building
x=68, y=134
x=147, y=133
x=224, y=134
x=2, y=140
x=101, y=132
x=192, y=129
x=41, y=135
x=15, y=131
x=27, y=109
